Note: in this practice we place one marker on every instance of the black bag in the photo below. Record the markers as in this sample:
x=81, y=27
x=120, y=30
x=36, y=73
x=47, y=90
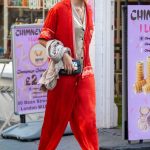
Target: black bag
x=77, y=64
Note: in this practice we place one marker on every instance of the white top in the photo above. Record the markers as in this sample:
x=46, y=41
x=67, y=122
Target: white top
x=79, y=29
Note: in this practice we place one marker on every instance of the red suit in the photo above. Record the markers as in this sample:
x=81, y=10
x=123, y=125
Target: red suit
x=73, y=98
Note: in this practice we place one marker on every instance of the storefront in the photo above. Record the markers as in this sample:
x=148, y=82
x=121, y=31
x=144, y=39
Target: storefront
x=26, y=12
x=20, y=12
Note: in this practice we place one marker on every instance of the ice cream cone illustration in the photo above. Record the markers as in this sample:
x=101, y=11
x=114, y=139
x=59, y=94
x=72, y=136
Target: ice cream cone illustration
x=146, y=87
x=148, y=70
x=140, y=81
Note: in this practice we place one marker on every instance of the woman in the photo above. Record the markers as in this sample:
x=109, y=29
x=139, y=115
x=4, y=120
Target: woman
x=73, y=98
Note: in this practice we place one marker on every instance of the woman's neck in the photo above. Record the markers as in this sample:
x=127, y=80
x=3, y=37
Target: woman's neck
x=78, y=3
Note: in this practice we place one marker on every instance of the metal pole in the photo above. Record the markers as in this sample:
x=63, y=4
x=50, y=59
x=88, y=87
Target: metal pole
x=22, y=119
x=139, y=2
x=126, y=2
x=125, y=70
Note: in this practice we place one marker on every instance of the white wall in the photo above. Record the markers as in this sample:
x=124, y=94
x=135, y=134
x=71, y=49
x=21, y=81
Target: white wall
x=104, y=63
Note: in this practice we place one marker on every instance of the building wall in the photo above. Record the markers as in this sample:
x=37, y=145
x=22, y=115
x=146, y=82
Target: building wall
x=104, y=63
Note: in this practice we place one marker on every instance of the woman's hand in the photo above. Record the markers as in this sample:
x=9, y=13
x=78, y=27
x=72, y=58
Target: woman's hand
x=68, y=65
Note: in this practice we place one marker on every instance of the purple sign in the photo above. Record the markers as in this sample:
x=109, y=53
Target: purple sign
x=29, y=62
x=138, y=72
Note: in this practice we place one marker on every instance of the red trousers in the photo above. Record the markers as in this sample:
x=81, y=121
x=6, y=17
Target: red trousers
x=73, y=100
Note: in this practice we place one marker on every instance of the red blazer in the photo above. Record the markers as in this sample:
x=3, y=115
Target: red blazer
x=59, y=25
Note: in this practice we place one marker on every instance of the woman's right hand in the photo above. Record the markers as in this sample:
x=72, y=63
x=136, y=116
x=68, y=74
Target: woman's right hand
x=68, y=65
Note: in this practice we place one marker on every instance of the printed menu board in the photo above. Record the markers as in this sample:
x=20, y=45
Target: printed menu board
x=29, y=62
x=138, y=72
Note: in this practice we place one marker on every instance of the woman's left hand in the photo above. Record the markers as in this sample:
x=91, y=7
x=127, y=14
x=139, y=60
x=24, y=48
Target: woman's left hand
x=68, y=65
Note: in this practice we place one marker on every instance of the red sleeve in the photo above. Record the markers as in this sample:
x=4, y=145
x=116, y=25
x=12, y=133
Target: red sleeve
x=91, y=18
x=91, y=24
x=49, y=27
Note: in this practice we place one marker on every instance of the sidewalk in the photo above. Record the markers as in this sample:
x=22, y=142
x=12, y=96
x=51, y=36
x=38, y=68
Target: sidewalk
x=110, y=139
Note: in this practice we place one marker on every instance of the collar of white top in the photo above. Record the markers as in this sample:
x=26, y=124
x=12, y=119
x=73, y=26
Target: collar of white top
x=75, y=14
